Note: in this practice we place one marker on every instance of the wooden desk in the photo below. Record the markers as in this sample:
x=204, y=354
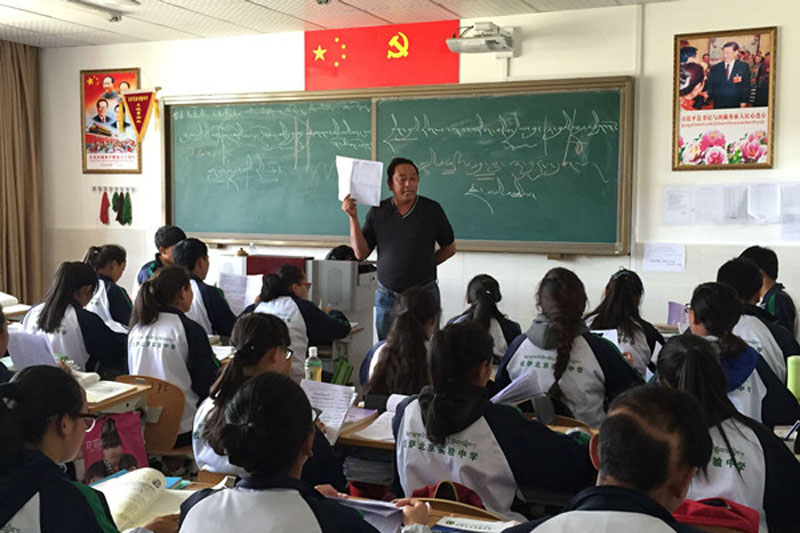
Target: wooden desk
x=122, y=403
x=445, y=508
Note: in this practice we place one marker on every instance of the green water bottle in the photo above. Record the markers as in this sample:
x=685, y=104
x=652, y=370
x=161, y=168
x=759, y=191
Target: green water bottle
x=313, y=365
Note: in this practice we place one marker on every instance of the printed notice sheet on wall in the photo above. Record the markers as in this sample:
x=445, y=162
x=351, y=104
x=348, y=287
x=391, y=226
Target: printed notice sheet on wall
x=664, y=257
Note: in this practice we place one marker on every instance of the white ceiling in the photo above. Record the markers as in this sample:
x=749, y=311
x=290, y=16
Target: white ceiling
x=54, y=23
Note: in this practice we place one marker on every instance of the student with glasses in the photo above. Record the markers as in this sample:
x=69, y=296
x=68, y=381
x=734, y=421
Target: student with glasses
x=44, y=417
x=260, y=343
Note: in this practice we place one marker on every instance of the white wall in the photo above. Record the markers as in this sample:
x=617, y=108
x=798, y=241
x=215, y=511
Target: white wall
x=609, y=41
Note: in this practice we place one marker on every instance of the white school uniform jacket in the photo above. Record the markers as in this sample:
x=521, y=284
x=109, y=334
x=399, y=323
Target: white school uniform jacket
x=285, y=308
x=210, y=309
x=767, y=479
x=494, y=453
x=111, y=303
x=175, y=349
x=774, y=342
x=595, y=375
x=642, y=346
x=503, y=333
x=204, y=455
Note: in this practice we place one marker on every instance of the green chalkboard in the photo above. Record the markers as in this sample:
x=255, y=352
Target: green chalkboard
x=523, y=166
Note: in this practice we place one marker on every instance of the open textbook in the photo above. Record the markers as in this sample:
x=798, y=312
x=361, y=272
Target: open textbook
x=381, y=428
x=139, y=496
x=98, y=390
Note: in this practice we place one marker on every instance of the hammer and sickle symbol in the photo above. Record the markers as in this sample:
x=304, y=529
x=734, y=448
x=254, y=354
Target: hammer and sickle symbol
x=399, y=42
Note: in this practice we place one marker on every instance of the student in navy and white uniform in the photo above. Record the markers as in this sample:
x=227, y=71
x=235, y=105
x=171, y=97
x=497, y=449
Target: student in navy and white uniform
x=452, y=431
x=757, y=327
x=165, y=239
x=751, y=385
x=73, y=331
x=749, y=464
x=209, y=307
x=44, y=418
x=580, y=371
x=483, y=294
x=619, y=311
x=399, y=365
x=110, y=301
x=774, y=299
x=269, y=432
x=308, y=325
x=261, y=345
x=649, y=448
x=163, y=343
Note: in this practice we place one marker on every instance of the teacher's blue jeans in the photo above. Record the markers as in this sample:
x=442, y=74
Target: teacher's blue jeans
x=384, y=307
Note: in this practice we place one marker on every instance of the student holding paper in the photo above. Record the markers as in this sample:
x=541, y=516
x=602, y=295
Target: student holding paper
x=261, y=344
x=110, y=301
x=406, y=229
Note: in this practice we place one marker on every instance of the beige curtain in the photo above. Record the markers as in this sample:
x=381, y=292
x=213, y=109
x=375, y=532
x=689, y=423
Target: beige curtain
x=20, y=173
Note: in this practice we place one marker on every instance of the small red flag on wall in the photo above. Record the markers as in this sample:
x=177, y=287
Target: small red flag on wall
x=380, y=56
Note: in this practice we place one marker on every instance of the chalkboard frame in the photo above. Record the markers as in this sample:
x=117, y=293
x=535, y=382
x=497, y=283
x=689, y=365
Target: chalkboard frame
x=623, y=84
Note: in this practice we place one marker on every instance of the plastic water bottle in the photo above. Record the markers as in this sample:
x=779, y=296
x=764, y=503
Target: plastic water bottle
x=313, y=365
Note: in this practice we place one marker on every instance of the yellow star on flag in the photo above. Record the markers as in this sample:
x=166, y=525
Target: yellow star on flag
x=319, y=53
x=89, y=81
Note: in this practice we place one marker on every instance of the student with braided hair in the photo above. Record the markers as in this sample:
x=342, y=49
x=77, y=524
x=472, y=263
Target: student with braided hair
x=261, y=344
x=581, y=372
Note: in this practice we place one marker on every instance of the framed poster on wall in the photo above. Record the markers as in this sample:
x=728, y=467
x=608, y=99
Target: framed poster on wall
x=108, y=141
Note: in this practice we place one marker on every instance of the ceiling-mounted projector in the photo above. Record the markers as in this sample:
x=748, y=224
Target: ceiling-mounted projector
x=482, y=37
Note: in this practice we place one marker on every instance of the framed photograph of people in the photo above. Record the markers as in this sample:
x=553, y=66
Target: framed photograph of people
x=108, y=140
x=723, y=99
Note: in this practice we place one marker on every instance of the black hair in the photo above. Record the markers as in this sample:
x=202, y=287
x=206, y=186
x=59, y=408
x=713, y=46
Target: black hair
x=483, y=293
x=620, y=306
x=188, y=251
x=291, y=274
x=97, y=103
x=396, y=162
x=99, y=256
x=457, y=354
x=743, y=275
x=691, y=364
x=403, y=368
x=70, y=277
x=562, y=298
x=341, y=253
x=687, y=52
x=127, y=462
x=766, y=259
x=691, y=76
x=167, y=236
x=109, y=434
x=731, y=44
x=634, y=442
x=156, y=292
x=35, y=397
x=273, y=287
x=717, y=307
x=266, y=422
x=254, y=334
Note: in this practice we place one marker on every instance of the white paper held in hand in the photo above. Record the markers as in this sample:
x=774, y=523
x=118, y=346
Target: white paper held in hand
x=360, y=178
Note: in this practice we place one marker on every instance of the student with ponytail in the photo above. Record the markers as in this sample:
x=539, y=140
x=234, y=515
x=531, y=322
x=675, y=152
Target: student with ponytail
x=72, y=330
x=749, y=464
x=580, y=371
x=752, y=386
x=110, y=301
x=268, y=431
x=44, y=418
x=163, y=343
x=452, y=431
x=261, y=344
x=399, y=364
x=483, y=295
x=619, y=311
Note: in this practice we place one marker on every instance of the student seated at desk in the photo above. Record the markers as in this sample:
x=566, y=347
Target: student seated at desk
x=165, y=239
x=751, y=385
x=110, y=301
x=581, y=372
x=284, y=295
x=757, y=327
x=773, y=298
x=5, y=373
x=72, y=330
x=269, y=432
x=399, y=364
x=483, y=294
x=749, y=465
x=452, y=431
x=209, y=307
x=261, y=344
x=649, y=448
x=619, y=311
x=44, y=418
x=164, y=343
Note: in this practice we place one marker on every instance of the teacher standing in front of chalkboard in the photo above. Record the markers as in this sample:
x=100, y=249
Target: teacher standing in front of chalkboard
x=406, y=228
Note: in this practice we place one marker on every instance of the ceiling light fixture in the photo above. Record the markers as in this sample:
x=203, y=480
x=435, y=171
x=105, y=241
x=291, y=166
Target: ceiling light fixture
x=115, y=9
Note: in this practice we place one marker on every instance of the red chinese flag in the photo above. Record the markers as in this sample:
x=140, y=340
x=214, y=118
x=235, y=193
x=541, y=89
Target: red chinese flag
x=380, y=56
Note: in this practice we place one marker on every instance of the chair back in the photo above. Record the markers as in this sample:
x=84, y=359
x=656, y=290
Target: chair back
x=571, y=422
x=165, y=403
